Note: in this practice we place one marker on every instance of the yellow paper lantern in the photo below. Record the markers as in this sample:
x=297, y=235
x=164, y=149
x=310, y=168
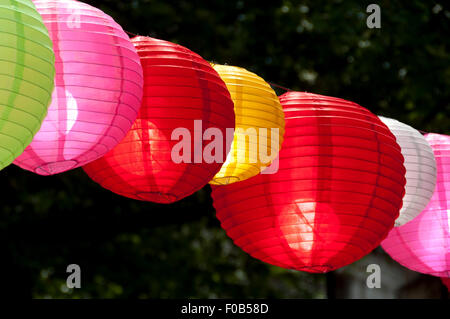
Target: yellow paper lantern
x=259, y=125
x=27, y=71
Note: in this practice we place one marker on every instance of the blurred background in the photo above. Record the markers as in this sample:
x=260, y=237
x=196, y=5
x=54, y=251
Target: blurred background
x=131, y=249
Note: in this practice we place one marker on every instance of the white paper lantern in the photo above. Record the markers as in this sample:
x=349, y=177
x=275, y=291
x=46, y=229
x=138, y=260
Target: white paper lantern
x=420, y=165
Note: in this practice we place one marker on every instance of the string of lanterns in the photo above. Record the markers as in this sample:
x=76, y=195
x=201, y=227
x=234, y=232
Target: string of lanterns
x=301, y=181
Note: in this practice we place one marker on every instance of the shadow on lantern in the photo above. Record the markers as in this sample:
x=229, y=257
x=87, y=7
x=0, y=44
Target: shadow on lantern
x=52, y=132
x=305, y=225
x=146, y=139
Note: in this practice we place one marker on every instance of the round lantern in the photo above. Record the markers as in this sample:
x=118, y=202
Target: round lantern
x=98, y=88
x=259, y=125
x=336, y=194
x=423, y=244
x=26, y=76
x=420, y=167
x=185, y=103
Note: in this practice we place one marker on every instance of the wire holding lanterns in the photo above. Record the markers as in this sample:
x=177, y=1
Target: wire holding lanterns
x=423, y=244
x=259, y=125
x=420, y=167
x=336, y=195
x=27, y=73
x=280, y=87
x=98, y=89
x=180, y=90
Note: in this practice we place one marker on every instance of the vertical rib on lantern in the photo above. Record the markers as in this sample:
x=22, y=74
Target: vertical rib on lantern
x=98, y=88
x=257, y=108
x=336, y=195
x=420, y=167
x=26, y=76
x=179, y=88
x=423, y=244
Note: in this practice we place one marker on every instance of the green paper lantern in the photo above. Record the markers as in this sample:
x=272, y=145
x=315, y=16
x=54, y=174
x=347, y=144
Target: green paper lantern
x=27, y=71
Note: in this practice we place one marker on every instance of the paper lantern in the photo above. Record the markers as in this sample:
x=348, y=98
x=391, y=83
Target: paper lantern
x=336, y=194
x=26, y=76
x=420, y=167
x=183, y=97
x=423, y=244
x=98, y=88
x=259, y=125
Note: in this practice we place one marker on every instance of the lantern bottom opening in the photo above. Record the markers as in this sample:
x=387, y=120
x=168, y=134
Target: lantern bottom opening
x=225, y=180
x=157, y=197
x=316, y=269
x=55, y=167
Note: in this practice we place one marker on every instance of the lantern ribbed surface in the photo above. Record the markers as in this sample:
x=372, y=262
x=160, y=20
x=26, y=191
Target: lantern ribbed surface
x=336, y=194
x=180, y=87
x=27, y=73
x=420, y=167
x=423, y=244
x=98, y=88
x=258, y=113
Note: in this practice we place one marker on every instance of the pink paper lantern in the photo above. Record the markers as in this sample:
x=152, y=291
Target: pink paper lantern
x=98, y=88
x=423, y=244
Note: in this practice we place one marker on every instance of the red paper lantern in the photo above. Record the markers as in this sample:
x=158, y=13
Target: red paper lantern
x=336, y=195
x=180, y=87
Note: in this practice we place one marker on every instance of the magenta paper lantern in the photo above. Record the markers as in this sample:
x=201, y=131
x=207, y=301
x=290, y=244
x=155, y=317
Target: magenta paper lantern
x=98, y=88
x=423, y=244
